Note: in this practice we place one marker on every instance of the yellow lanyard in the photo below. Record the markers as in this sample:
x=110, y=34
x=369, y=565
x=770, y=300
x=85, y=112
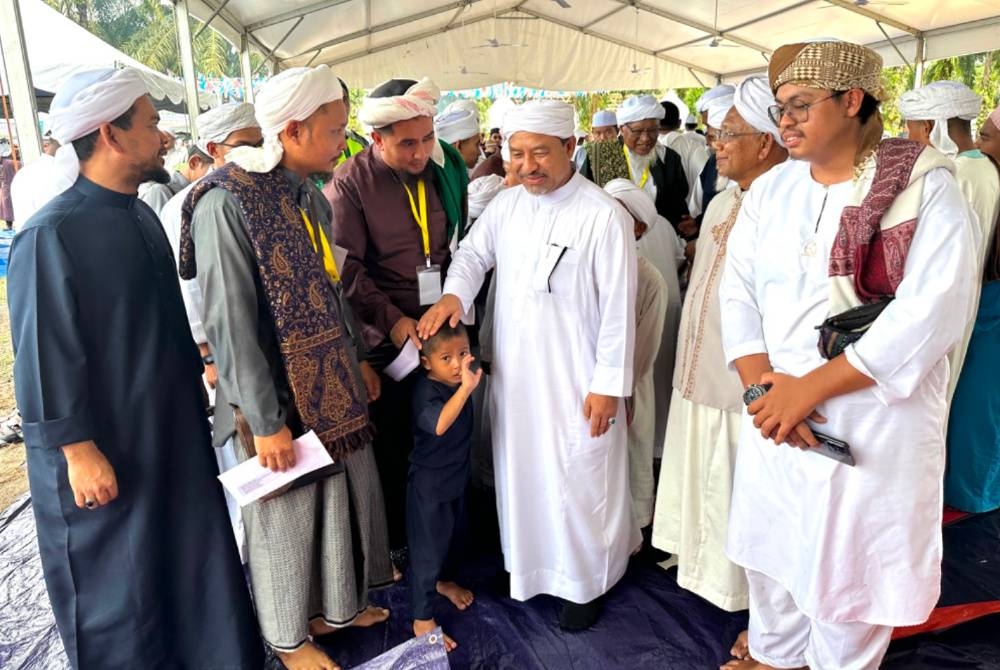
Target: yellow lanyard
x=645, y=173
x=421, y=216
x=329, y=264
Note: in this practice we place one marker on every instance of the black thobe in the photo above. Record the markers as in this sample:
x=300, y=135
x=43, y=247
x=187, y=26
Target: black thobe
x=103, y=352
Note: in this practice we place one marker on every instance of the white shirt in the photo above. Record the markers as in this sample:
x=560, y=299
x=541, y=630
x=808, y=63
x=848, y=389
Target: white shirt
x=170, y=217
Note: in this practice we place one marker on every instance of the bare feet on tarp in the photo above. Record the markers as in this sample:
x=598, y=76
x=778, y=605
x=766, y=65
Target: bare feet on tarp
x=751, y=664
x=371, y=616
x=307, y=657
x=741, y=648
x=459, y=597
x=397, y=575
x=424, y=626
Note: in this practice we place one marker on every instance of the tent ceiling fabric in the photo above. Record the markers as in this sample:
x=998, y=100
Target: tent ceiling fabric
x=592, y=45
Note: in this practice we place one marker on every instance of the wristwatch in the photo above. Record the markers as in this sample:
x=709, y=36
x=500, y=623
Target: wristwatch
x=208, y=360
x=754, y=392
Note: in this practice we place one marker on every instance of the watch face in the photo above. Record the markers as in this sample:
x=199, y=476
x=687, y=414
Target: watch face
x=754, y=392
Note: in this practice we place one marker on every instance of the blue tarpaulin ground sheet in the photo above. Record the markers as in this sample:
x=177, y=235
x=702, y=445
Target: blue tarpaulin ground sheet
x=648, y=622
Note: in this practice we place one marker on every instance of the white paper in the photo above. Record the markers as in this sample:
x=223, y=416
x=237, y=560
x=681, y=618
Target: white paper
x=339, y=257
x=405, y=363
x=250, y=481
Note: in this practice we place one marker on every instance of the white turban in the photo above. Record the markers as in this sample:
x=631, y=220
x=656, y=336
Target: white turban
x=217, y=124
x=419, y=100
x=603, y=118
x=717, y=110
x=752, y=98
x=701, y=105
x=938, y=102
x=545, y=117
x=457, y=125
x=637, y=201
x=481, y=193
x=462, y=105
x=690, y=120
x=292, y=95
x=638, y=108
x=505, y=152
x=84, y=103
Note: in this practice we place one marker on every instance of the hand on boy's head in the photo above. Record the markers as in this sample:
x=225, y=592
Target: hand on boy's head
x=470, y=379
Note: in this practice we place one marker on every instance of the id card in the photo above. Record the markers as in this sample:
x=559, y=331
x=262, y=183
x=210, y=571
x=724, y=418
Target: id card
x=429, y=283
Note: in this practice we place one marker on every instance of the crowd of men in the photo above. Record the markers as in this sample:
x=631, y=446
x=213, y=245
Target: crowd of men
x=793, y=312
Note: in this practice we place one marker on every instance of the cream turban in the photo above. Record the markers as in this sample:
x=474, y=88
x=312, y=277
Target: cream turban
x=84, y=103
x=752, y=98
x=481, y=193
x=462, y=105
x=938, y=102
x=453, y=126
x=603, y=118
x=717, y=109
x=292, y=95
x=701, y=105
x=217, y=124
x=420, y=99
x=546, y=117
x=638, y=108
x=637, y=201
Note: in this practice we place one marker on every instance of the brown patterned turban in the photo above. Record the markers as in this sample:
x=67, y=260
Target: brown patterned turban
x=834, y=66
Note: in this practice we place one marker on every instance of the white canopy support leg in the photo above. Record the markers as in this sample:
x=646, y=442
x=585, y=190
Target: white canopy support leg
x=245, y=69
x=20, y=90
x=918, y=62
x=183, y=21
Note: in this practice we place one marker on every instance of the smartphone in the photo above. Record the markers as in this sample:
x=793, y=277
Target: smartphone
x=833, y=448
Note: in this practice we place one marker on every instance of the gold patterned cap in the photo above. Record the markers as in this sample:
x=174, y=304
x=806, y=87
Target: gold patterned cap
x=834, y=66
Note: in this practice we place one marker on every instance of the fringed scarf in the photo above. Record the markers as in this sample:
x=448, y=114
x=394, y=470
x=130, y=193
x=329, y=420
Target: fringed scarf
x=303, y=306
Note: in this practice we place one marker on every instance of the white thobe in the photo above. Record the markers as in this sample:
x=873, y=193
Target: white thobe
x=563, y=500
x=170, y=217
x=699, y=449
x=650, y=312
x=34, y=185
x=694, y=155
x=980, y=184
x=661, y=247
x=849, y=543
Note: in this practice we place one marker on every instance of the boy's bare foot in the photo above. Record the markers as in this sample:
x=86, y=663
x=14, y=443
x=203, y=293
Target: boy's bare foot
x=741, y=648
x=459, y=597
x=371, y=616
x=424, y=626
x=307, y=657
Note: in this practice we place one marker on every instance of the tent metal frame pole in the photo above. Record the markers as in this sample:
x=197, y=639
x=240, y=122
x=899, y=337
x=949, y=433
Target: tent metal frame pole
x=246, y=69
x=21, y=90
x=210, y=19
x=185, y=45
x=918, y=62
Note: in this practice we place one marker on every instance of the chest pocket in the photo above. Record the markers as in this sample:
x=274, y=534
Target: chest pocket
x=556, y=271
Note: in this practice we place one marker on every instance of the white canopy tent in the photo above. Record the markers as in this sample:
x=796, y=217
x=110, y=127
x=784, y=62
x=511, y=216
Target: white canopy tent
x=58, y=48
x=587, y=44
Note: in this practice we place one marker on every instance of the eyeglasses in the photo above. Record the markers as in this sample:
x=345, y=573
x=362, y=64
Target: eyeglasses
x=797, y=111
x=255, y=145
x=643, y=132
x=724, y=136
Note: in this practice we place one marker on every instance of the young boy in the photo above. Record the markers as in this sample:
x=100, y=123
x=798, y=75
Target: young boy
x=439, y=471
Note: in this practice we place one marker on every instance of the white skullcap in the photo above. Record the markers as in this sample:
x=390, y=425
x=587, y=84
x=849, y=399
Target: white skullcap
x=457, y=125
x=701, y=105
x=84, y=103
x=717, y=110
x=292, y=95
x=636, y=200
x=217, y=124
x=638, y=108
x=604, y=117
x=690, y=120
x=752, y=98
x=546, y=117
x=418, y=100
x=482, y=191
x=938, y=102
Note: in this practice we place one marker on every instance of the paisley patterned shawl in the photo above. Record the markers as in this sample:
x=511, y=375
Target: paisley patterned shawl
x=607, y=161
x=302, y=304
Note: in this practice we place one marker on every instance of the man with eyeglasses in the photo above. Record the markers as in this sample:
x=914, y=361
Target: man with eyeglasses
x=868, y=239
x=652, y=167
x=699, y=451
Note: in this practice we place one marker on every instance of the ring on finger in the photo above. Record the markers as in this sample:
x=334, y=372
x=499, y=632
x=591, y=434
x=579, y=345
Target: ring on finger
x=90, y=504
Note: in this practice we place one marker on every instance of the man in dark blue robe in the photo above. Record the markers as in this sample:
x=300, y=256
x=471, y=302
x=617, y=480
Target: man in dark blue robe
x=138, y=554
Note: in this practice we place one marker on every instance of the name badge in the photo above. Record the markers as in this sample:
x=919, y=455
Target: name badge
x=429, y=283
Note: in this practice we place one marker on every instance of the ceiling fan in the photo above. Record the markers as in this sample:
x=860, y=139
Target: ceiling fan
x=635, y=69
x=868, y=3
x=717, y=38
x=464, y=70
x=493, y=42
x=638, y=70
x=563, y=4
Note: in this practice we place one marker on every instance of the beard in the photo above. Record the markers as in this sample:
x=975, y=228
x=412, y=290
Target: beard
x=153, y=171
